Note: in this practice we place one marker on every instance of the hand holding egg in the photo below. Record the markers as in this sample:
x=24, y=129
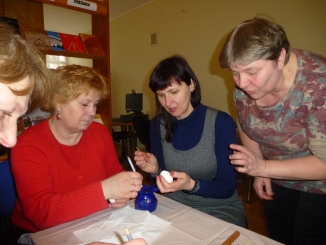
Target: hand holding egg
x=167, y=176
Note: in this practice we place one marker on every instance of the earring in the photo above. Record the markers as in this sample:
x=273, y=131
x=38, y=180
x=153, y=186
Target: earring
x=58, y=116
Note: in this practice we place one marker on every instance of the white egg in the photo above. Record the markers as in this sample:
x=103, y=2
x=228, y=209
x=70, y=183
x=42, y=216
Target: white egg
x=167, y=176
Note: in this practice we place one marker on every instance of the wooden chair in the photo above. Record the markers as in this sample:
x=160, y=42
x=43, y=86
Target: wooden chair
x=122, y=136
x=249, y=178
x=141, y=125
x=249, y=187
x=7, y=195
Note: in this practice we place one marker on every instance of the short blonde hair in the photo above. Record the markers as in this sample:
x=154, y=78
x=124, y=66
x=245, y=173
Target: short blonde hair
x=71, y=81
x=19, y=60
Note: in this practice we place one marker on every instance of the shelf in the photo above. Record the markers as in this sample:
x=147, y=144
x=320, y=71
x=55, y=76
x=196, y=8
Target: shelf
x=74, y=54
x=102, y=2
x=102, y=6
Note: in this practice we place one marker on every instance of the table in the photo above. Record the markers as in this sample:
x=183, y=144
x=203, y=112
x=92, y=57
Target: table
x=129, y=127
x=189, y=227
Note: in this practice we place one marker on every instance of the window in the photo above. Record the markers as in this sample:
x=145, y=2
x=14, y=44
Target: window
x=53, y=61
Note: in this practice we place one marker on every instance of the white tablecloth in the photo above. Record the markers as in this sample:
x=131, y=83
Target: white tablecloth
x=189, y=226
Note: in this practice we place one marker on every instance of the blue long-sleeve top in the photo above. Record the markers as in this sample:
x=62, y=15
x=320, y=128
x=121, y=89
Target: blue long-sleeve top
x=188, y=134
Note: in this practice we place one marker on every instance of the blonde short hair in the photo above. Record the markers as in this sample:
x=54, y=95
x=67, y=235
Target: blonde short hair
x=71, y=81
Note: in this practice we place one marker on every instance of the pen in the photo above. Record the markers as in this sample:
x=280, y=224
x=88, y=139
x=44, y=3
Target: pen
x=231, y=238
x=131, y=165
x=146, y=160
x=128, y=234
x=133, y=169
x=248, y=242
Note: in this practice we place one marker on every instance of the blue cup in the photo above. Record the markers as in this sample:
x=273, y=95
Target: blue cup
x=146, y=199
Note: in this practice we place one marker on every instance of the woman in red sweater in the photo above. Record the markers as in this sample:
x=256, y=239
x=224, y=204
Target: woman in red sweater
x=66, y=167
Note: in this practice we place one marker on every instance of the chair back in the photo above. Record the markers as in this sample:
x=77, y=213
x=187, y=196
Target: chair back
x=7, y=193
x=141, y=125
x=119, y=135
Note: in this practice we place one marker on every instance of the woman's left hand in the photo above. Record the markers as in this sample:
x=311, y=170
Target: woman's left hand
x=247, y=161
x=182, y=181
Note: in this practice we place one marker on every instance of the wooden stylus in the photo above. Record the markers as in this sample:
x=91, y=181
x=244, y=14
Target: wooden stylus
x=231, y=238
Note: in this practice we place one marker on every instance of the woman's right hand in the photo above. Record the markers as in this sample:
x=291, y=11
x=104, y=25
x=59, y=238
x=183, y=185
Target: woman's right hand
x=146, y=161
x=263, y=188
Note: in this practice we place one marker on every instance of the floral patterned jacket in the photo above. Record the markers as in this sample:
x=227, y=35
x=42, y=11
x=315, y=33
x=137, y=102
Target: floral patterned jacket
x=296, y=125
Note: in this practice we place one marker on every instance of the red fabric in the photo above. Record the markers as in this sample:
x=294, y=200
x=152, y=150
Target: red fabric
x=58, y=183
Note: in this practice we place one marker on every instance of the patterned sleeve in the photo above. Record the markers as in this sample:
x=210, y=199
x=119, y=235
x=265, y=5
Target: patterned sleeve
x=314, y=72
x=316, y=127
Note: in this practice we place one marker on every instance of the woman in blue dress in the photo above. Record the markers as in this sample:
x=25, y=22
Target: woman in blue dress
x=191, y=141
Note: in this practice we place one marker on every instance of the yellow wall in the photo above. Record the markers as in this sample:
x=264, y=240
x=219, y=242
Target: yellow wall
x=196, y=29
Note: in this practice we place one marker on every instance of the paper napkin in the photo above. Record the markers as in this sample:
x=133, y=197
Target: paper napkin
x=141, y=224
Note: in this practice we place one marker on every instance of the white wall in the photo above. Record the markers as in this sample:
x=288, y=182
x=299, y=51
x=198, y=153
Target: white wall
x=197, y=29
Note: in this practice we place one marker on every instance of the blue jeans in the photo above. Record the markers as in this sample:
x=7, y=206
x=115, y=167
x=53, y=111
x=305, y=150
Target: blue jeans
x=296, y=217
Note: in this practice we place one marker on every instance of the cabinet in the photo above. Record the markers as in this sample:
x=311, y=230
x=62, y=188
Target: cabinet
x=29, y=14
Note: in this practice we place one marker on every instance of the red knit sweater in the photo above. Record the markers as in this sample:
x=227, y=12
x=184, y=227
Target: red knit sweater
x=58, y=183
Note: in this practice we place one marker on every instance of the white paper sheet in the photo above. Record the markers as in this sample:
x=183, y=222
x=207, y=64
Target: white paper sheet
x=141, y=224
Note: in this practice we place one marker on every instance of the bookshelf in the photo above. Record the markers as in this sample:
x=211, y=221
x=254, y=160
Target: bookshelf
x=29, y=14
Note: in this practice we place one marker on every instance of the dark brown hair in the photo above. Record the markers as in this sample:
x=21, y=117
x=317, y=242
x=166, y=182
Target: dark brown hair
x=174, y=68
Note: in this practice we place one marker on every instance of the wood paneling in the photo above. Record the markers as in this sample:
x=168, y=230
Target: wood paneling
x=29, y=14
